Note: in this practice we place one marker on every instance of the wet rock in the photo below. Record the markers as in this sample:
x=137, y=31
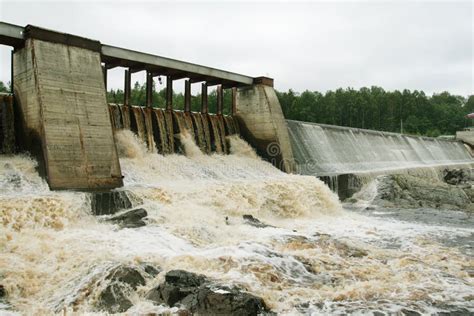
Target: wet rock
x=456, y=312
x=252, y=221
x=409, y=312
x=121, y=281
x=405, y=191
x=199, y=295
x=3, y=292
x=349, y=250
x=455, y=176
x=130, y=219
x=150, y=269
x=110, y=202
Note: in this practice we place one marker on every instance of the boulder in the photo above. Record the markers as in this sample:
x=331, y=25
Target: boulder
x=121, y=281
x=252, y=221
x=149, y=269
x=200, y=295
x=455, y=176
x=130, y=219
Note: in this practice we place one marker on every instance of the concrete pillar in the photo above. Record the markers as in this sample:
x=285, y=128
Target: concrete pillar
x=262, y=123
x=59, y=87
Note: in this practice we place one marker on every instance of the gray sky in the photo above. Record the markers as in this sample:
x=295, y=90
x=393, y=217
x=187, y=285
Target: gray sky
x=302, y=45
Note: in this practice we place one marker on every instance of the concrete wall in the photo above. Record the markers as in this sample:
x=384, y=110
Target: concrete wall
x=263, y=125
x=7, y=127
x=64, y=115
x=467, y=137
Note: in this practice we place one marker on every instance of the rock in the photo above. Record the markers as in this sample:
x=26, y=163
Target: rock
x=3, y=293
x=199, y=295
x=150, y=269
x=252, y=221
x=409, y=312
x=455, y=176
x=121, y=280
x=130, y=219
x=406, y=191
x=110, y=202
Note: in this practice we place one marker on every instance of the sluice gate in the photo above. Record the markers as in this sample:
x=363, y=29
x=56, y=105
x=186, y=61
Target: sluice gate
x=158, y=127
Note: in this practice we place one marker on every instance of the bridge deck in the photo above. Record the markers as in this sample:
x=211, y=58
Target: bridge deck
x=13, y=35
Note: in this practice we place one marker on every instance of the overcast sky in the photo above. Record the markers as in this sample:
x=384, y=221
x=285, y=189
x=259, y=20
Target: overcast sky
x=316, y=46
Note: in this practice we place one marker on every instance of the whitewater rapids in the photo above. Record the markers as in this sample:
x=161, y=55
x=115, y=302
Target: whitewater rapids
x=319, y=258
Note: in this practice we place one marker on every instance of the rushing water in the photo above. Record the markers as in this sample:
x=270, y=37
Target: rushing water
x=319, y=258
x=326, y=149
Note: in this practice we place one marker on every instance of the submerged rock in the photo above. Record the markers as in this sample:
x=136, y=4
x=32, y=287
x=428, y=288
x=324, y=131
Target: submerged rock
x=252, y=221
x=199, y=295
x=130, y=219
x=121, y=281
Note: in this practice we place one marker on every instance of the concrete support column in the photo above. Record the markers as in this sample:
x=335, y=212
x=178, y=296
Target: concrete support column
x=187, y=96
x=169, y=93
x=59, y=86
x=220, y=99
x=262, y=123
x=204, y=104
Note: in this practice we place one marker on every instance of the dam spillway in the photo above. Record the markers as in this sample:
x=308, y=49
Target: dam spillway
x=327, y=150
x=157, y=128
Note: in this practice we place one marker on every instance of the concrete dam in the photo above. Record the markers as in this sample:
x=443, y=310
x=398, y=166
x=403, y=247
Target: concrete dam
x=69, y=127
x=144, y=210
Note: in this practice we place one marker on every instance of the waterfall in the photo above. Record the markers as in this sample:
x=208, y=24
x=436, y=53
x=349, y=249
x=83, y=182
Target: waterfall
x=328, y=150
x=207, y=132
x=200, y=137
x=140, y=122
x=150, y=132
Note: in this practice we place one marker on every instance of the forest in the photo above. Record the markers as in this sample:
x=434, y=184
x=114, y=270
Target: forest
x=410, y=112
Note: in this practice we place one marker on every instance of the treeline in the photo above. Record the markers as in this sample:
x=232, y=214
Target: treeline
x=406, y=111
x=411, y=112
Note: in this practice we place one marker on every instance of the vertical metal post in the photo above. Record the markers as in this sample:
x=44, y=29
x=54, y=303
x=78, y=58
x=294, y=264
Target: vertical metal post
x=220, y=99
x=11, y=73
x=233, y=109
x=187, y=96
x=169, y=93
x=127, y=88
x=204, y=104
x=149, y=89
x=104, y=72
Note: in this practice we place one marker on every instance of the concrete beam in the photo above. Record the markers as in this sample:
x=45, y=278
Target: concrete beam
x=111, y=53
x=11, y=35
x=14, y=35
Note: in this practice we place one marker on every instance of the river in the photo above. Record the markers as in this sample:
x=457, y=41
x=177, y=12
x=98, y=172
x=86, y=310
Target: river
x=320, y=257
